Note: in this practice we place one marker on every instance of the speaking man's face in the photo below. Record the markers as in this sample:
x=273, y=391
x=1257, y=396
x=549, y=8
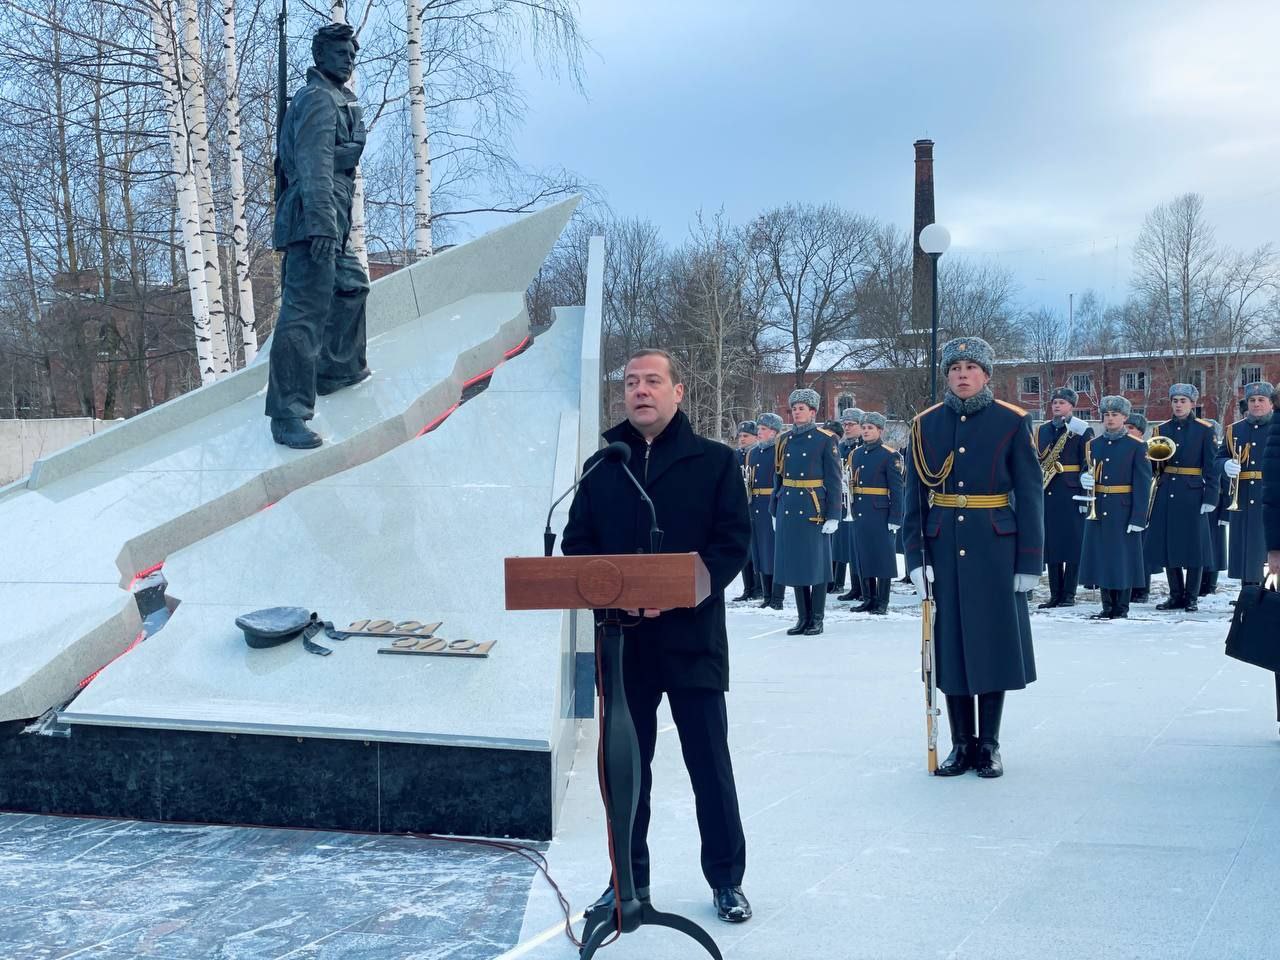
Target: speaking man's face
x=650, y=396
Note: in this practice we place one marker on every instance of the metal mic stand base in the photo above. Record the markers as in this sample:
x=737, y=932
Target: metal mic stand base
x=620, y=774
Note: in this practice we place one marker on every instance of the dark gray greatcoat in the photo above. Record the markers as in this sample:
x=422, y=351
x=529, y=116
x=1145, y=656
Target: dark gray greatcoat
x=802, y=552
x=982, y=630
x=760, y=467
x=1179, y=532
x=1246, y=547
x=876, y=467
x=1111, y=558
x=1063, y=524
x=696, y=487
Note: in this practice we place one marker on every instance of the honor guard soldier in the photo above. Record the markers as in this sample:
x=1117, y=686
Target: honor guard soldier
x=1061, y=442
x=1217, y=525
x=1136, y=425
x=806, y=508
x=1118, y=476
x=974, y=530
x=1271, y=504
x=877, y=487
x=842, y=541
x=747, y=438
x=1241, y=458
x=1186, y=493
x=760, y=466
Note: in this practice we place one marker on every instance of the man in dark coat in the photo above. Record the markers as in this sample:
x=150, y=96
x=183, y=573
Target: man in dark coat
x=1240, y=456
x=748, y=436
x=1186, y=493
x=760, y=462
x=1136, y=425
x=1271, y=503
x=1061, y=442
x=1118, y=475
x=974, y=529
x=842, y=552
x=806, y=511
x=319, y=341
x=696, y=488
x=876, y=472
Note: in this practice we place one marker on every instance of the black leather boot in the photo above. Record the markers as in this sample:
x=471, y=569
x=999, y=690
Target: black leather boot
x=767, y=592
x=748, y=583
x=1208, y=583
x=1055, y=587
x=1177, y=590
x=1140, y=594
x=1070, y=579
x=1192, y=603
x=294, y=433
x=1120, y=604
x=837, y=578
x=817, y=609
x=802, y=610
x=1107, y=606
x=990, y=709
x=868, y=596
x=855, y=586
x=882, y=596
x=773, y=598
x=964, y=744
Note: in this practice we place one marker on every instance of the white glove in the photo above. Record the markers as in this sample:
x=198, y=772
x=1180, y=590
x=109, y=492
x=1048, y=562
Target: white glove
x=1084, y=509
x=773, y=521
x=1025, y=582
x=1231, y=468
x=1086, y=480
x=1224, y=523
x=1208, y=507
x=830, y=526
x=894, y=527
x=1077, y=426
x=1134, y=528
x=918, y=576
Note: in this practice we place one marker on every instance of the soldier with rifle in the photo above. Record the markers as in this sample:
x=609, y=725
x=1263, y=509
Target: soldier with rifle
x=974, y=535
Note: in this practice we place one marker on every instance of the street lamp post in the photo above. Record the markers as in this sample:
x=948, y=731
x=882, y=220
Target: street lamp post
x=934, y=240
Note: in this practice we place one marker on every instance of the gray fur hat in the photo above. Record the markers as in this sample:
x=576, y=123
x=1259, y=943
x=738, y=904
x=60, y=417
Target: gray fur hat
x=875, y=419
x=804, y=395
x=1115, y=405
x=1065, y=393
x=748, y=426
x=968, y=348
x=851, y=415
x=770, y=420
x=1259, y=389
x=1137, y=420
x=1187, y=390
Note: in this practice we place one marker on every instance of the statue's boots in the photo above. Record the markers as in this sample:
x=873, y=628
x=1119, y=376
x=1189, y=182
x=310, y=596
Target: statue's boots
x=964, y=742
x=294, y=433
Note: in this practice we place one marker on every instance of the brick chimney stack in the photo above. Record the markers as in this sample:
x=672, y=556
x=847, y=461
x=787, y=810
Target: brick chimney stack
x=921, y=278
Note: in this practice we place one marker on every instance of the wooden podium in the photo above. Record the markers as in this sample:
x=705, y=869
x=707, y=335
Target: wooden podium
x=611, y=584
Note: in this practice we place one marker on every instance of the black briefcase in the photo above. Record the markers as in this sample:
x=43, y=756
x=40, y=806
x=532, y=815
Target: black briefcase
x=1254, y=636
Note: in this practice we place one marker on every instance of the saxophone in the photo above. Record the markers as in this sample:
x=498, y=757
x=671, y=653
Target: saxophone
x=1049, y=465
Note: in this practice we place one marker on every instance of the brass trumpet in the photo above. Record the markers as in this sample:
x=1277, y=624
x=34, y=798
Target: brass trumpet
x=1160, y=450
x=1242, y=458
x=1096, y=470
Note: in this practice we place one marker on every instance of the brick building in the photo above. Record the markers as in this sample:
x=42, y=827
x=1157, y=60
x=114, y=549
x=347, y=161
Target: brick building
x=1142, y=378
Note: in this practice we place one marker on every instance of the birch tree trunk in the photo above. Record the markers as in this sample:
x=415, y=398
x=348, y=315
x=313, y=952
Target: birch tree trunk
x=197, y=128
x=161, y=12
x=338, y=13
x=418, y=123
x=239, y=226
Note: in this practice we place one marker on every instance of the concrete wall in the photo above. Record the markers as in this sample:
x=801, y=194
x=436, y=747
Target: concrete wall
x=22, y=442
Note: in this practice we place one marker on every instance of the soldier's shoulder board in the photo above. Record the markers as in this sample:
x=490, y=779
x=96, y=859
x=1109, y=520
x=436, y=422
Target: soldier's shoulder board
x=826, y=431
x=1012, y=406
x=1204, y=423
x=927, y=410
x=890, y=448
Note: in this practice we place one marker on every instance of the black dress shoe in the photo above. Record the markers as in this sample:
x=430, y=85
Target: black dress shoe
x=989, y=765
x=1193, y=604
x=1067, y=602
x=1048, y=604
x=326, y=387
x=851, y=594
x=1170, y=604
x=731, y=904
x=745, y=596
x=959, y=760
x=294, y=433
x=605, y=901
x=1100, y=615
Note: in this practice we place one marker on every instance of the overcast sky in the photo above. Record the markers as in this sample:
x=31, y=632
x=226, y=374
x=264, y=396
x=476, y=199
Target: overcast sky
x=1057, y=125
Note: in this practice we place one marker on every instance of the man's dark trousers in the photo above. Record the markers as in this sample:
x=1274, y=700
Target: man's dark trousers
x=320, y=336
x=703, y=726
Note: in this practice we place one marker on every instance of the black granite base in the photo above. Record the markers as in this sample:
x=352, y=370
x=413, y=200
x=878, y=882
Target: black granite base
x=182, y=776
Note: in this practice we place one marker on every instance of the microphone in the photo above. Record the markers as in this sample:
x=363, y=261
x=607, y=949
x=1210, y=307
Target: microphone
x=655, y=535
x=616, y=452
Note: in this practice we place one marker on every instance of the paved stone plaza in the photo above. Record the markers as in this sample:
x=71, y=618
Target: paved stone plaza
x=1139, y=817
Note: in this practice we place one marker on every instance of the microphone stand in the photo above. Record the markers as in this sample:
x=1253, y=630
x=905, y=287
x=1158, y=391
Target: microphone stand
x=619, y=772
